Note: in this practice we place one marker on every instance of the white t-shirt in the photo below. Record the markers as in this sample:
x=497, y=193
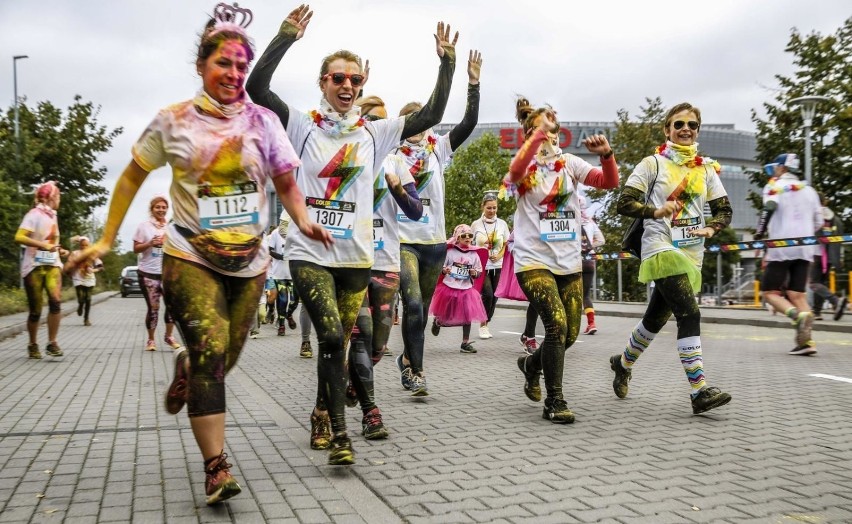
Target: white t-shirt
x=85, y=275
x=593, y=234
x=495, y=235
x=799, y=214
x=693, y=187
x=429, y=180
x=41, y=222
x=220, y=168
x=151, y=260
x=460, y=263
x=547, y=221
x=278, y=269
x=337, y=178
x=385, y=212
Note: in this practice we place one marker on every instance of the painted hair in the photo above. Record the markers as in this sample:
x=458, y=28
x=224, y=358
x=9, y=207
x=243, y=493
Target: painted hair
x=526, y=114
x=45, y=192
x=368, y=103
x=156, y=200
x=410, y=108
x=460, y=230
x=348, y=56
x=212, y=37
x=78, y=239
x=683, y=106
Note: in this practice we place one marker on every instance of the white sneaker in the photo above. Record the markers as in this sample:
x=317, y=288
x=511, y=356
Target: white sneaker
x=484, y=333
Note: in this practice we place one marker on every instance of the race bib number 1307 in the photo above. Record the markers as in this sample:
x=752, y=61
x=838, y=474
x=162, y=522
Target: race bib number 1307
x=335, y=215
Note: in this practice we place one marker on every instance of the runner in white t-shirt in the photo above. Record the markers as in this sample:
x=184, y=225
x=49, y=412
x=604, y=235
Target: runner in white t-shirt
x=547, y=258
x=492, y=233
x=341, y=154
x=84, y=279
x=223, y=151
x=668, y=190
x=592, y=238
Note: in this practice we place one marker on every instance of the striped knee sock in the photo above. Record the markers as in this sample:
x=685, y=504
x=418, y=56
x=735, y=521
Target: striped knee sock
x=638, y=342
x=689, y=349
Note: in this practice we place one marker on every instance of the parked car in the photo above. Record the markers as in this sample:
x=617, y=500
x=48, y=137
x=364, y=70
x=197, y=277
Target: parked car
x=130, y=281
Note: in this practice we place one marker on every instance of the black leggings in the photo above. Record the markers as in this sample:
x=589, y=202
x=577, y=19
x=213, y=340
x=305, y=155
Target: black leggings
x=421, y=266
x=492, y=278
x=332, y=297
x=558, y=300
x=588, y=278
x=532, y=318
x=84, y=299
x=673, y=295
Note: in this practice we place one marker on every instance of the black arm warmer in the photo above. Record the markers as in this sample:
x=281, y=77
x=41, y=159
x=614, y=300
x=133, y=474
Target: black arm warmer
x=459, y=133
x=630, y=204
x=431, y=114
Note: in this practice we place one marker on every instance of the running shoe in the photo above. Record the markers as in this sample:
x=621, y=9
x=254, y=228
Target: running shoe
x=840, y=308
x=418, y=385
x=305, y=351
x=532, y=387
x=386, y=351
x=254, y=333
x=556, y=410
x=172, y=342
x=282, y=330
x=803, y=324
x=87, y=323
x=351, y=396
x=80, y=309
x=372, y=427
x=291, y=322
x=484, y=333
x=708, y=399
x=320, y=431
x=341, y=453
x=33, y=352
x=818, y=316
x=436, y=328
x=405, y=375
x=591, y=329
x=622, y=376
x=529, y=344
x=53, y=350
x=150, y=345
x=220, y=484
x=179, y=388
x=804, y=350
x=467, y=347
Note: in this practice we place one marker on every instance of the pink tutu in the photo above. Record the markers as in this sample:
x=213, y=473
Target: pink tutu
x=457, y=307
x=508, y=286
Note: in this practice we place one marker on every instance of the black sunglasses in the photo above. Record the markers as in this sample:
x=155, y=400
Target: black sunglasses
x=678, y=124
x=466, y=235
x=338, y=78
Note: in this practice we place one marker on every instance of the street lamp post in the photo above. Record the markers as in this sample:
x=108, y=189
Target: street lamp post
x=15, y=82
x=808, y=104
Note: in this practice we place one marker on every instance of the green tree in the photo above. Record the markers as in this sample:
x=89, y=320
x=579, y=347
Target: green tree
x=477, y=167
x=54, y=145
x=824, y=68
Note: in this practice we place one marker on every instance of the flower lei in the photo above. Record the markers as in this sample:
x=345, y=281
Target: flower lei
x=329, y=121
x=686, y=156
x=778, y=186
x=530, y=180
x=420, y=154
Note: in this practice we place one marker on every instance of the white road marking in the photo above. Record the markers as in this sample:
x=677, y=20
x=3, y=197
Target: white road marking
x=831, y=377
x=519, y=334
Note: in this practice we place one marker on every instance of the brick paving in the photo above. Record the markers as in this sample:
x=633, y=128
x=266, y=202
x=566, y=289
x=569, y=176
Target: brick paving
x=84, y=438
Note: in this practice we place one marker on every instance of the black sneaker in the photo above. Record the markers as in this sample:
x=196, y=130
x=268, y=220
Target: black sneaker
x=418, y=385
x=532, y=388
x=556, y=410
x=405, y=375
x=840, y=308
x=372, y=426
x=436, y=328
x=622, y=376
x=804, y=350
x=341, y=452
x=467, y=347
x=708, y=399
x=53, y=350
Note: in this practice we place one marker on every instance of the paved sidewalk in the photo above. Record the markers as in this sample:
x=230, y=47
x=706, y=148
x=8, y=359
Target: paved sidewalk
x=84, y=438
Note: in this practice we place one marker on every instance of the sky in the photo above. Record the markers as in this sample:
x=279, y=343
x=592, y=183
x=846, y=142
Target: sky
x=586, y=59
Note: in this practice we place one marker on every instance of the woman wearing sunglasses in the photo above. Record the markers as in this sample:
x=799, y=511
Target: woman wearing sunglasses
x=341, y=153
x=547, y=244
x=424, y=241
x=669, y=190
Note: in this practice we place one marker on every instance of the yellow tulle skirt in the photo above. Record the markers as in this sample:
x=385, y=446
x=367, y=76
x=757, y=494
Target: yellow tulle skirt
x=668, y=264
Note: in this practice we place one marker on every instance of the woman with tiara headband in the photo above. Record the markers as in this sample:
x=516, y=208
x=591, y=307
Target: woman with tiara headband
x=41, y=267
x=341, y=153
x=223, y=151
x=547, y=258
x=492, y=233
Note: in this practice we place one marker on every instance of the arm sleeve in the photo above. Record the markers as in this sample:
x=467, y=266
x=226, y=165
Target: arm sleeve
x=722, y=213
x=408, y=200
x=630, y=204
x=431, y=113
x=462, y=131
x=606, y=178
x=257, y=85
x=525, y=155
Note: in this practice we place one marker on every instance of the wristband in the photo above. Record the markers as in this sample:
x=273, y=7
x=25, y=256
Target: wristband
x=607, y=155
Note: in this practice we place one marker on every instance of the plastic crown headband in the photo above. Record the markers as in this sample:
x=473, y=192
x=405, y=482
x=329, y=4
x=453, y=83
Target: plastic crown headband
x=231, y=18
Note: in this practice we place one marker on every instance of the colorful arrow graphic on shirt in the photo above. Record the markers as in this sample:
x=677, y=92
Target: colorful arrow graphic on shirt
x=556, y=199
x=342, y=171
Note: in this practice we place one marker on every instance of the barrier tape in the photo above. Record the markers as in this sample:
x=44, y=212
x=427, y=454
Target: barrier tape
x=743, y=246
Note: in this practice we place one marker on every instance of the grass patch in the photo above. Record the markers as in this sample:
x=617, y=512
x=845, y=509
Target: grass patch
x=14, y=299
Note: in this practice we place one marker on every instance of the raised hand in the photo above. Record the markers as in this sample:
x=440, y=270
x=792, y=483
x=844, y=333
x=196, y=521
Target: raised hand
x=597, y=144
x=297, y=21
x=548, y=123
x=442, y=39
x=474, y=64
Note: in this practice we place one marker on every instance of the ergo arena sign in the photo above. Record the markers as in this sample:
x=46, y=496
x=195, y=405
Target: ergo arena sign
x=513, y=137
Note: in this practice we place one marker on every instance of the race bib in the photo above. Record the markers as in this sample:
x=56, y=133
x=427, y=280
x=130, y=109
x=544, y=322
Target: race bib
x=682, y=229
x=557, y=226
x=228, y=205
x=460, y=271
x=335, y=215
x=378, y=234
x=46, y=258
x=156, y=251
x=427, y=213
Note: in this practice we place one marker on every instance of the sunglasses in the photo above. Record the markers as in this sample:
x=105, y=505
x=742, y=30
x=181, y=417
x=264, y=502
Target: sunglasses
x=338, y=78
x=678, y=124
x=466, y=235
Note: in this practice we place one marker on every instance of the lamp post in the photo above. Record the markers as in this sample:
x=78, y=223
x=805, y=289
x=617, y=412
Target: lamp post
x=15, y=82
x=808, y=104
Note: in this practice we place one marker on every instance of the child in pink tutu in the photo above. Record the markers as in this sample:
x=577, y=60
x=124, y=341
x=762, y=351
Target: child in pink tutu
x=457, y=300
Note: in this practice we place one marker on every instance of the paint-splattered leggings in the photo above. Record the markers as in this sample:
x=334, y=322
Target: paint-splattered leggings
x=558, y=299
x=152, y=290
x=214, y=313
x=673, y=295
x=492, y=278
x=421, y=266
x=39, y=280
x=332, y=297
x=84, y=299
